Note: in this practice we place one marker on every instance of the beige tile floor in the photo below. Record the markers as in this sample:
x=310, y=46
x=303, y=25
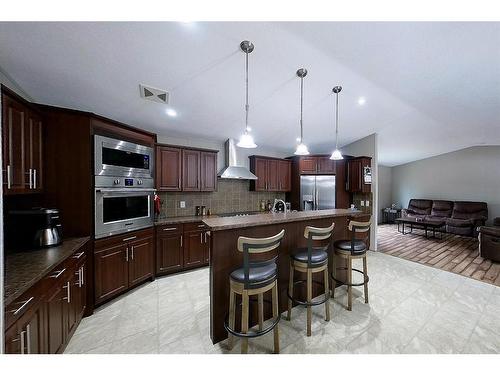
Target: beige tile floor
x=413, y=309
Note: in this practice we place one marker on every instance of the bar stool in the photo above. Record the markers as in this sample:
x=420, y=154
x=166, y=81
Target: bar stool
x=309, y=261
x=349, y=250
x=256, y=277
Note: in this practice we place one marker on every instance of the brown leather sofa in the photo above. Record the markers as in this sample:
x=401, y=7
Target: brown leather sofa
x=461, y=218
x=489, y=241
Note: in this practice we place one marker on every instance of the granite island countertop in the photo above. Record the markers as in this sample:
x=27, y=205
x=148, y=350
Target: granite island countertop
x=23, y=269
x=180, y=220
x=224, y=223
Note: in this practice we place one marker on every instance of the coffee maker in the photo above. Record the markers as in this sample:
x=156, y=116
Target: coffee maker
x=37, y=227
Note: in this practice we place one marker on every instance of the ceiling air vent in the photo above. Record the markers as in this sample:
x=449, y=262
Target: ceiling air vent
x=156, y=95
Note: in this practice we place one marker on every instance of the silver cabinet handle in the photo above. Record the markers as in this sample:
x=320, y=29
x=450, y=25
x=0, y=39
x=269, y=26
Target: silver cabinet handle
x=201, y=225
x=181, y=240
x=23, y=305
x=167, y=229
x=201, y=237
x=9, y=181
x=78, y=255
x=28, y=338
x=22, y=342
x=30, y=174
x=132, y=250
x=126, y=254
x=82, y=269
x=58, y=273
x=68, y=293
x=129, y=238
x=34, y=178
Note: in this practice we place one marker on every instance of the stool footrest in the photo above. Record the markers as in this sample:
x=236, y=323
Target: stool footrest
x=305, y=303
x=365, y=277
x=251, y=334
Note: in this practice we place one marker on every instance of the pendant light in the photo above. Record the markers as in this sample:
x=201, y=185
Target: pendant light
x=336, y=154
x=301, y=147
x=246, y=139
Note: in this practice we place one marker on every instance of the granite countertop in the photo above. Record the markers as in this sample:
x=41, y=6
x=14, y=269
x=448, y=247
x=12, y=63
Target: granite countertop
x=223, y=223
x=181, y=219
x=25, y=268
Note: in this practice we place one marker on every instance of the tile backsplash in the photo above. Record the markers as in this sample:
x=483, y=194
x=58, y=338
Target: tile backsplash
x=231, y=196
x=366, y=197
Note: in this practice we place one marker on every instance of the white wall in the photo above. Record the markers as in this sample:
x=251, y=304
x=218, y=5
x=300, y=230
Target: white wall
x=368, y=146
x=471, y=174
x=242, y=153
x=384, y=188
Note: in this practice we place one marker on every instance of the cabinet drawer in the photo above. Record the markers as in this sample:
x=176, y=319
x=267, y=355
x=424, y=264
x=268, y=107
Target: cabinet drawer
x=169, y=229
x=189, y=227
x=104, y=243
x=25, y=303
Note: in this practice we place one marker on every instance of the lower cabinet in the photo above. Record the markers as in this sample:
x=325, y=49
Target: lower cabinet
x=45, y=317
x=121, y=262
x=181, y=246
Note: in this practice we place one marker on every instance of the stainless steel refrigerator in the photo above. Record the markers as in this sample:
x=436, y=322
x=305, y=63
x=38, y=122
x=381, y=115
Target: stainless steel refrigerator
x=317, y=192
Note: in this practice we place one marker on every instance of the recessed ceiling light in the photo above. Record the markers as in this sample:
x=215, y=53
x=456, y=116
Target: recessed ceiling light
x=171, y=112
x=361, y=100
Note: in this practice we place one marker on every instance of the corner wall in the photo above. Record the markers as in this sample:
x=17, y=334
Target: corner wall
x=384, y=188
x=471, y=174
x=368, y=146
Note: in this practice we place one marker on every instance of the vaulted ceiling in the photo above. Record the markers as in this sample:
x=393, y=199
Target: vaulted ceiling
x=429, y=88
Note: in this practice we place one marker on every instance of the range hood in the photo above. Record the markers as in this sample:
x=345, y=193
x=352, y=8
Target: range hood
x=233, y=169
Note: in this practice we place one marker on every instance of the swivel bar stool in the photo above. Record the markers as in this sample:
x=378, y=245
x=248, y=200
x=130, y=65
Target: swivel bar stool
x=349, y=250
x=309, y=261
x=256, y=277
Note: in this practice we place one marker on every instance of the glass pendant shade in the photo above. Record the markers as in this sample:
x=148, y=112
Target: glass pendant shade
x=246, y=141
x=336, y=155
x=301, y=149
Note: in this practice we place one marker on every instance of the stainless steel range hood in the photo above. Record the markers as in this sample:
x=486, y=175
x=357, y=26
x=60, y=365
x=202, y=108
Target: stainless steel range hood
x=233, y=169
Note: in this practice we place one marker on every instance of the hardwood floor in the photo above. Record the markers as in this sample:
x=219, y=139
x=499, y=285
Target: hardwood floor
x=453, y=253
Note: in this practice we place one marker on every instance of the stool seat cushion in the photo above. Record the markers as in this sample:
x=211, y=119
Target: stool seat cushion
x=359, y=246
x=256, y=274
x=318, y=256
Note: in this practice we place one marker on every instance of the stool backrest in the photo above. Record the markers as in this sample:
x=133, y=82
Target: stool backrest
x=316, y=234
x=249, y=245
x=358, y=227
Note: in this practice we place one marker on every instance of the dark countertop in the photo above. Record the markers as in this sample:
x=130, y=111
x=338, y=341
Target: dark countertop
x=181, y=220
x=223, y=223
x=24, y=269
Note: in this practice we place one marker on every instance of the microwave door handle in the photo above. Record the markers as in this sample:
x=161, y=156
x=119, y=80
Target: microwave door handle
x=125, y=190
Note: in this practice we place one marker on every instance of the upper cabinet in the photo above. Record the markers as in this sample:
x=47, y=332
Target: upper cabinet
x=316, y=165
x=359, y=175
x=185, y=169
x=22, y=134
x=272, y=174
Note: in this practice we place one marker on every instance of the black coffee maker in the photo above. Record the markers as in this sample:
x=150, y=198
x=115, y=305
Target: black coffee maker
x=37, y=227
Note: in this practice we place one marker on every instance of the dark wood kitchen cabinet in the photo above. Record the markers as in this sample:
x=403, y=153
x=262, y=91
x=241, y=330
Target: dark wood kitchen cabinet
x=168, y=168
x=121, y=262
x=308, y=164
x=27, y=335
x=272, y=174
x=22, y=135
x=317, y=164
x=185, y=169
x=194, y=249
x=325, y=165
x=355, y=174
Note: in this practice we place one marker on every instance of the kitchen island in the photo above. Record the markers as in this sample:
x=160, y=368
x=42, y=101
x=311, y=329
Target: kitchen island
x=225, y=258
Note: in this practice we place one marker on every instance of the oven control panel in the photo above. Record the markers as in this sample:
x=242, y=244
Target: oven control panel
x=123, y=182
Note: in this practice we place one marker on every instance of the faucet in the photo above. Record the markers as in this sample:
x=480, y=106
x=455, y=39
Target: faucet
x=276, y=202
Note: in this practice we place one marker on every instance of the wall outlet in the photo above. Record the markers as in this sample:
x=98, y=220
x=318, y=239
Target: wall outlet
x=182, y=204
x=367, y=203
x=362, y=203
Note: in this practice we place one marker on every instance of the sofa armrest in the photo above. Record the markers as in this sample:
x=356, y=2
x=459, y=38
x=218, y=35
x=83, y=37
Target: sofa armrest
x=490, y=231
x=407, y=211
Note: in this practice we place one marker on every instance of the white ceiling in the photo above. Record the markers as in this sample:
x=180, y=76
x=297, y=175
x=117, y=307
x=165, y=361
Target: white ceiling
x=430, y=88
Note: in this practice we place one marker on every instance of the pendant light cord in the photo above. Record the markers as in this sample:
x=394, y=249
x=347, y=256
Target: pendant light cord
x=246, y=97
x=337, y=122
x=301, y=105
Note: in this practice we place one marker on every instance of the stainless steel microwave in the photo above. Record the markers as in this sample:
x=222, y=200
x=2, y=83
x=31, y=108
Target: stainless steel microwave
x=114, y=157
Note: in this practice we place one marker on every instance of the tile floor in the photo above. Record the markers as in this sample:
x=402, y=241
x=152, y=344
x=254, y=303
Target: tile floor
x=413, y=309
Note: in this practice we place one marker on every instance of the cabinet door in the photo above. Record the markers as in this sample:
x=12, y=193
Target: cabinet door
x=34, y=151
x=140, y=260
x=208, y=171
x=13, y=340
x=325, y=165
x=33, y=326
x=190, y=170
x=260, y=170
x=78, y=296
x=194, y=249
x=169, y=255
x=110, y=271
x=14, y=141
x=354, y=175
x=273, y=176
x=56, y=318
x=168, y=168
x=207, y=246
x=308, y=164
x=285, y=175
x=342, y=196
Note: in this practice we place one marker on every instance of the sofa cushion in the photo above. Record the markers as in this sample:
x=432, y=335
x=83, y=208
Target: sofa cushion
x=470, y=210
x=459, y=222
x=420, y=206
x=442, y=208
